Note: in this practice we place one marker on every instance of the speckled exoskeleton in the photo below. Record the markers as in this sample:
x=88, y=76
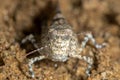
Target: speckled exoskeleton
x=61, y=42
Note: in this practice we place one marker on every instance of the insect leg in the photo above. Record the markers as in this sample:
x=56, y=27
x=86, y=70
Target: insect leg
x=32, y=61
x=89, y=36
x=32, y=40
x=89, y=61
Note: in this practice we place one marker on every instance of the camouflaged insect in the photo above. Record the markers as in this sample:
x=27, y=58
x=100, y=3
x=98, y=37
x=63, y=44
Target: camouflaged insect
x=60, y=44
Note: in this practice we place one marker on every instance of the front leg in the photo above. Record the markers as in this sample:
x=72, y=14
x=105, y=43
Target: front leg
x=89, y=37
x=32, y=40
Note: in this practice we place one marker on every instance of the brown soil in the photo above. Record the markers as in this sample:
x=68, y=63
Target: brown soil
x=19, y=18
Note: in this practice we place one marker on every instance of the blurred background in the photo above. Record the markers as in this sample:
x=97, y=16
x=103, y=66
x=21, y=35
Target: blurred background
x=19, y=18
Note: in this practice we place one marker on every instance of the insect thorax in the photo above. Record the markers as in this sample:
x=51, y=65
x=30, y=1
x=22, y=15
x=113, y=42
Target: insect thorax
x=62, y=41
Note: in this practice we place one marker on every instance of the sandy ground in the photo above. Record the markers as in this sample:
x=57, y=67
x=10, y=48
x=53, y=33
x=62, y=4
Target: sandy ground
x=19, y=18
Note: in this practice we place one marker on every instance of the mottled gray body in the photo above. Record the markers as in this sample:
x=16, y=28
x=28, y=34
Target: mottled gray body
x=63, y=42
